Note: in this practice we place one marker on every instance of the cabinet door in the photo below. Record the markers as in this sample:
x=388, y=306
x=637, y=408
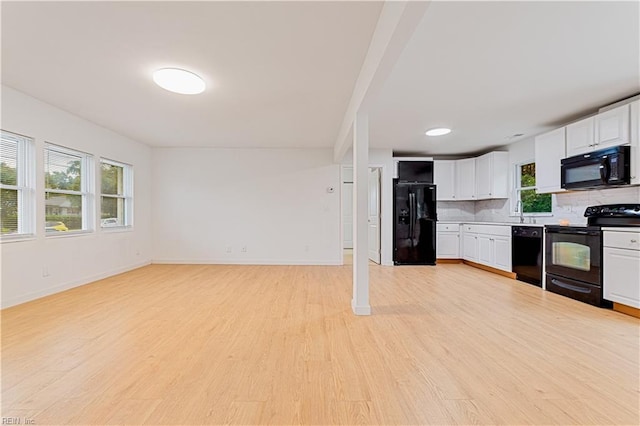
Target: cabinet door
x=499, y=175
x=483, y=177
x=444, y=175
x=635, y=142
x=581, y=137
x=550, y=150
x=448, y=246
x=502, y=253
x=485, y=250
x=465, y=179
x=469, y=247
x=612, y=127
x=621, y=276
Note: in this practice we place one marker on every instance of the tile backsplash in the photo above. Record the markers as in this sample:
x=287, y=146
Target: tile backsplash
x=456, y=210
x=567, y=205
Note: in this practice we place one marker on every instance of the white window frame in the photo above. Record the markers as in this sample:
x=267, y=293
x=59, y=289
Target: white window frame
x=515, y=195
x=86, y=190
x=25, y=187
x=127, y=195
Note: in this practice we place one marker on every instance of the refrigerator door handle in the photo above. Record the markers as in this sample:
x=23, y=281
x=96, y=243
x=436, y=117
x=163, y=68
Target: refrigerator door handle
x=411, y=216
x=415, y=217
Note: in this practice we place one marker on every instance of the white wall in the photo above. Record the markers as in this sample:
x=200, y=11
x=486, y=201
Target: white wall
x=72, y=260
x=274, y=202
x=382, y=158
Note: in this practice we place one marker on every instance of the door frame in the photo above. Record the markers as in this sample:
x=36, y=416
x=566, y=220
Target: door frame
x=379, y=169
x=383, y=170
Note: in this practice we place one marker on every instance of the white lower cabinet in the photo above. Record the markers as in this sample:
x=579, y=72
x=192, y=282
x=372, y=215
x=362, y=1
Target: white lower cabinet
x=621, y=265
x=470, y=247
x=502, y=250
x=488, y=245
x=448, y=244
x=485, y=250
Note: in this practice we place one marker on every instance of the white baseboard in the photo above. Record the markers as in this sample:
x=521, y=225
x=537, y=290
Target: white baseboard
x=6, y=303
x=336, y=262
x=360, y=310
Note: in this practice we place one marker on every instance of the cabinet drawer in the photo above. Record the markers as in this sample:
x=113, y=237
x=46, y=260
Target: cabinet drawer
x=623, y=240
x=497, y=230
x=448, y=227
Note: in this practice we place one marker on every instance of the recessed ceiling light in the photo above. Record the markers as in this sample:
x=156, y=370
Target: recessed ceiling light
x=438, y=131
x=179, y=81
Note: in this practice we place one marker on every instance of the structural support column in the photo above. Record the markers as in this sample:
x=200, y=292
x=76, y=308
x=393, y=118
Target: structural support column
x=360, y=301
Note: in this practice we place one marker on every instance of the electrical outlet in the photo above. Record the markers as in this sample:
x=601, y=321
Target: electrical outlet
x=45, y=271
x=306, y=249
x=228, y=249
x=244, y=249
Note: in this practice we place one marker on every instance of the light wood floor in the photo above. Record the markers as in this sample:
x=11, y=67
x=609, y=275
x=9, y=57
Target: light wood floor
x=222, y=344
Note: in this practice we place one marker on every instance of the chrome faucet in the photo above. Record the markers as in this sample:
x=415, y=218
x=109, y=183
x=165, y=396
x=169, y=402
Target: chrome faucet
x=519, y=206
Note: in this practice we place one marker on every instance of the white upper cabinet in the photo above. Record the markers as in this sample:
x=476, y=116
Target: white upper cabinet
x=465, y=179
x=550, y=149
x=483, y=177
x=492, y=176
x=581, y=137
x=607, y=129
x=444, y=176
x=612, y=127
x=635, y=142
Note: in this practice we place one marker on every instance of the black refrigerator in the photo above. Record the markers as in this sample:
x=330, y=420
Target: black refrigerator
x=414, y=223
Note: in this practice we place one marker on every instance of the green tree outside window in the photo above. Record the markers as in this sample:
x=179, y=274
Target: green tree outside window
x=532, y=202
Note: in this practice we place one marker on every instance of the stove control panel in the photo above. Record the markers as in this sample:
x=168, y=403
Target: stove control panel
x=614, y=210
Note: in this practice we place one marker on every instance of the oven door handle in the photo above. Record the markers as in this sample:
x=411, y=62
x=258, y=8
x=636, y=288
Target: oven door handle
x=570, y=287
x=575, y=232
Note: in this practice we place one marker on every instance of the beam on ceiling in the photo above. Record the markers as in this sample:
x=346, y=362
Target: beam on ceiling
x=396, y=24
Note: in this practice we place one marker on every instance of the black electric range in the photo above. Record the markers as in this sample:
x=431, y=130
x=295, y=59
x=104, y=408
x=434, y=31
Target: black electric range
x=573, y=254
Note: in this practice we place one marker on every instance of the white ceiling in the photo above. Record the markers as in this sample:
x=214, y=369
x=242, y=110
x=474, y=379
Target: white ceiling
x=490, y=70
x=280, y=74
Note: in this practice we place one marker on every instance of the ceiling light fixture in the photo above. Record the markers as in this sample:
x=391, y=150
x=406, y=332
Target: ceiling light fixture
x=438, y=131
x=179, y=81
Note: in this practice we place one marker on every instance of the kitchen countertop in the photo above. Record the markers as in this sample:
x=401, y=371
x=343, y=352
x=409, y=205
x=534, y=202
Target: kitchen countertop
x=472, y=222
x=622, y=228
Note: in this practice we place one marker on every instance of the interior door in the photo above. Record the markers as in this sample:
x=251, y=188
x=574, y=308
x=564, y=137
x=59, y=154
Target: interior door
x=374, y=214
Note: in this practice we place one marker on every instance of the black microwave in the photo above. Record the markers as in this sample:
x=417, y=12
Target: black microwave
x=604, y=168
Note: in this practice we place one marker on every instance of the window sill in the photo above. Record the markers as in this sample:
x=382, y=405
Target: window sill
x=116, y=229
x=67, y=234
x=17, y=238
